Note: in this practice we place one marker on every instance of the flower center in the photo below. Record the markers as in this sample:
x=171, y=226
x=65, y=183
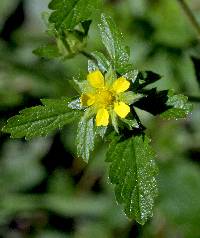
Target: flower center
x=103, y=98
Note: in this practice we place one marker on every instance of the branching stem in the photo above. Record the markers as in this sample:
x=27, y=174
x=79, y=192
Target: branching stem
x=190, y=16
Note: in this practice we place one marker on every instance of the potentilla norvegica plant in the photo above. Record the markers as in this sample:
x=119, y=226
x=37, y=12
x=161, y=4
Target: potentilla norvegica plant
x=107, y=97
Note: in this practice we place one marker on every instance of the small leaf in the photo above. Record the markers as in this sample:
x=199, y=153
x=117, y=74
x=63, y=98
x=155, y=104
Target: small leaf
x=48, y=51
x=85, y=137
x=130, y=97
x=102, y=62
x=112, y=40
x=133, y=173
x=67, y=14
x=114, y=120
x=101, y=130
x=41, y=120
x=179, y=107
x=131, y=124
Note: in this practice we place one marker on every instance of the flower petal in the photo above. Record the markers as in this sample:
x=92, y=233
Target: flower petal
x=121, y=85
x=121, y=109
x=87, y=99
x=96, y=79
x=102, y=117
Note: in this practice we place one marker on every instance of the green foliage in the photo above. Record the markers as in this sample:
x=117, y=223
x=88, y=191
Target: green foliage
x=85, y=137
x=133, y=171
x=68, y=14
x=41, y=120
x=131, y=158
x=164, y=103
x=112, y=40
x=69, y=23
x=178, y=106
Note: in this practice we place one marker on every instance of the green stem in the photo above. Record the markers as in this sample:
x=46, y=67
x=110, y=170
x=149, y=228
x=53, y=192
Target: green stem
x=190, y=16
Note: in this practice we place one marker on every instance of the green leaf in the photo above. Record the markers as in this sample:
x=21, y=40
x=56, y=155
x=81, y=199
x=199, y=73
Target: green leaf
x=130, y=97
x=112, y=40
x=133, y=173
x=131, y=124
x=164, y=103
x=178, y=105
x=41, y=120
x=69, y=13
x=48, y=51
x=102, y=62
x=85, y=137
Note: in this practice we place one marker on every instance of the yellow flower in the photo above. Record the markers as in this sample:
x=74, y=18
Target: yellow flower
x=104, y=97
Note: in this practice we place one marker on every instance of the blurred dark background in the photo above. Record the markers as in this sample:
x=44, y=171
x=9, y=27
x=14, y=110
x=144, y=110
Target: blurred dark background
x=46, y=191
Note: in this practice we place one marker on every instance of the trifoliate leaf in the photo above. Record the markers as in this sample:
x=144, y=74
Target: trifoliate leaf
x=112, y=40
x=67, y=14
x=133, y=171
x=85, y=137
x=41, y=120
x=48, y=51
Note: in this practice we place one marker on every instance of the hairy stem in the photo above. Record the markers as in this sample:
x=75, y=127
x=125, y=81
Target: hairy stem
x=190, y=16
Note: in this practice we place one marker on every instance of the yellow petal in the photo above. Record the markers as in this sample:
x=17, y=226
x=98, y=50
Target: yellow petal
x=102, y=117
x=121, y=85
x=87, y=99
x=121, y=109
x=96, y=79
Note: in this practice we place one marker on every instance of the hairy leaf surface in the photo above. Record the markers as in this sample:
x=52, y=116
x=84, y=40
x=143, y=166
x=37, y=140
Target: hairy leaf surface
x=133, y=172
x=69, y=13
x=112, y=40
x=85, y=137
x=41, y=120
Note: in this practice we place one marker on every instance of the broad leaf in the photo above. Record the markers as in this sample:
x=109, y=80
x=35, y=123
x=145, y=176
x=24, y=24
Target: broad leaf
x=85, y=137
x=67, y=14
x=41, y=120
x=133, y=171
x=112, y=40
